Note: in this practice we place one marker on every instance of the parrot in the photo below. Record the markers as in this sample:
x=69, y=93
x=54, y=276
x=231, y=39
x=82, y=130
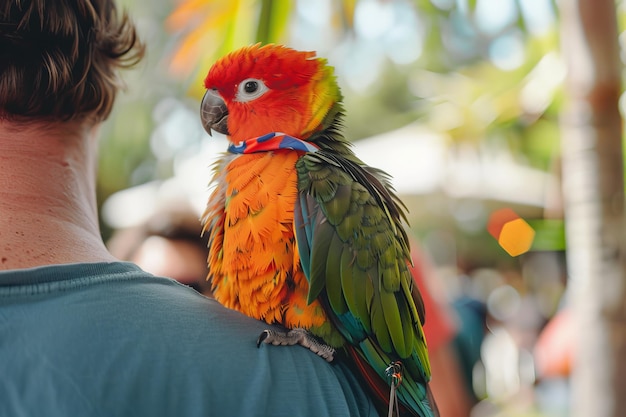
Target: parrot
x=302, y=233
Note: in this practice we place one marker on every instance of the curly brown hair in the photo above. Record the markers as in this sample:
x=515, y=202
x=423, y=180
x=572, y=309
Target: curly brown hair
x=59, y=59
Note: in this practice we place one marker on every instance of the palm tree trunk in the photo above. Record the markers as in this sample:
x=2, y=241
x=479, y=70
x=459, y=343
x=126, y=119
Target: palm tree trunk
x=593, y=185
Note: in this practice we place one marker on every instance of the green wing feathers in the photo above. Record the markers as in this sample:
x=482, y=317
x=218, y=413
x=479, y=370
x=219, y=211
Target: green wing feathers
x=355, y=254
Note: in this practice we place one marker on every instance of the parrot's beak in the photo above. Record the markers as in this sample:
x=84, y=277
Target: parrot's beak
x=214, y=113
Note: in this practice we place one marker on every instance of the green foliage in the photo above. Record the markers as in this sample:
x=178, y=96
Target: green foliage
x=549, y=234
x=126, y=148
x=273, y=20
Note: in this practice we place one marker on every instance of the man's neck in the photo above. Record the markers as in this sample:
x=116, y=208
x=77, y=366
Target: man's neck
x=48, y=211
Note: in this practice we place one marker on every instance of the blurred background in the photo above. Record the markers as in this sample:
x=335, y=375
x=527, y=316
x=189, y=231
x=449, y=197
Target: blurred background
x=458, y=100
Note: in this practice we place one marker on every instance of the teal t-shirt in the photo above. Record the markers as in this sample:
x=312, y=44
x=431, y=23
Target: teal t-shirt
x=107, y=339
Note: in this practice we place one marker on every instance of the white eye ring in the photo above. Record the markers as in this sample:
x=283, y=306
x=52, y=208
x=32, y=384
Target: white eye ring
x=250, y=89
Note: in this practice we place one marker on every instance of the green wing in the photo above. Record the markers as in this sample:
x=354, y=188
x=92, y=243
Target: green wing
x=355, y=254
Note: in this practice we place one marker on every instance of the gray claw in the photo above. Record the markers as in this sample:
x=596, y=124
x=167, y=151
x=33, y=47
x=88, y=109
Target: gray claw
x=297, y=336
x=264, y=335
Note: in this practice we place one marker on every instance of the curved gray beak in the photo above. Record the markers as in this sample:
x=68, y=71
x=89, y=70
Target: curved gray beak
x=213, y=113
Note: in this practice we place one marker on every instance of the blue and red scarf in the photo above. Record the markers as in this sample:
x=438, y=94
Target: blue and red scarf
x=272, y=141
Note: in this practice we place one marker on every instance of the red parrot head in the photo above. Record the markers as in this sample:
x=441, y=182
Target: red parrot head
x=261, y=89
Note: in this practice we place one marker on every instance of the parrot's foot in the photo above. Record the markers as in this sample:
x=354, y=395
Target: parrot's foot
x=297, y=336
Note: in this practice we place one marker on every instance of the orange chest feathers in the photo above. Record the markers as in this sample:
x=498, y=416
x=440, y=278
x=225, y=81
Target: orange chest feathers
x=259, y=272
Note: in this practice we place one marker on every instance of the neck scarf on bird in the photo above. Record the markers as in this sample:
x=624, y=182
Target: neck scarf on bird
x=272, y=141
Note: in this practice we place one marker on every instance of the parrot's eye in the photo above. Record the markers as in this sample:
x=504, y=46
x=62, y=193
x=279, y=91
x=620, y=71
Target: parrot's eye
x=251, y=86
x=250, y=89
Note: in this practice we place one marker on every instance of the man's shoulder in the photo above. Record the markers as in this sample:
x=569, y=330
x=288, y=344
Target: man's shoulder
x=123, y=338
x=116, y=301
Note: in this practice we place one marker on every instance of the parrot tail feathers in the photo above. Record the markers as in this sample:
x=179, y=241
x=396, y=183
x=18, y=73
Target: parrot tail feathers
x=416, y=399
x=432, y=402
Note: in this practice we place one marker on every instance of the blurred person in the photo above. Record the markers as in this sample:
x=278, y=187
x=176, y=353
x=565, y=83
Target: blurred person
x=167, y=244
x=442, y=328
x=554, y=350
x=82, y=333
x=554, y=354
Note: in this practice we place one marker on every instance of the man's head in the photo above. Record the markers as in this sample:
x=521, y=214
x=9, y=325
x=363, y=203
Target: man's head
x=59, y=59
